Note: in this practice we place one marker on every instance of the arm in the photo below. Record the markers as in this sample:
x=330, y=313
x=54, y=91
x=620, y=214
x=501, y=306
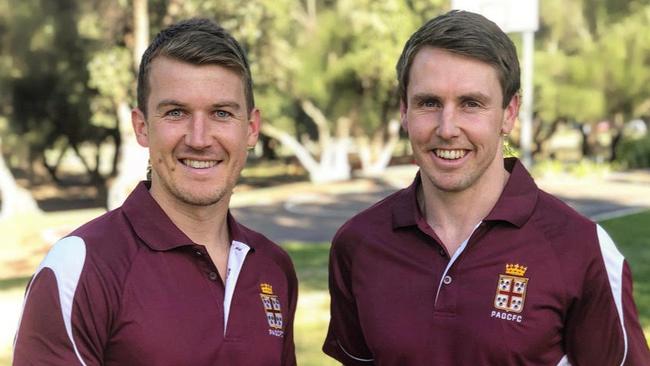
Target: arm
x=603, y=326
x=289, y=349
x=345, y=340
x=59, y=325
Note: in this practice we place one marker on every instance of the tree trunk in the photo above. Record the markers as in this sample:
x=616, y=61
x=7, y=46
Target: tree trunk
x=133, y=159
x=585, y=146
x=333, y=164
x=375, y=157
x=616, y=129
x=15, y=199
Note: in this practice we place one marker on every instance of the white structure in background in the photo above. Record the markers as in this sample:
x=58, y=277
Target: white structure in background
x=515, y=16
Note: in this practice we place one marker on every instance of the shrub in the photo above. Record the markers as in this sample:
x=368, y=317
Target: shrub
x=634, y=153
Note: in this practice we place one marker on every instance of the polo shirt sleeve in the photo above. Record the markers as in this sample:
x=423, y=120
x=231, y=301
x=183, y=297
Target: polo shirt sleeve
x=345, y=340
x=64, y=319
x=603, y=326
x=288, y=348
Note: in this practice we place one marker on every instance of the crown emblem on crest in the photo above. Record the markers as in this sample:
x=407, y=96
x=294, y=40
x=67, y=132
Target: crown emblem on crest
x=266, y=289
x=516, y=269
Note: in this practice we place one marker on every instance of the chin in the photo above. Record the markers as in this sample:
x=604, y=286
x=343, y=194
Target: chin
x=202, y=198
x=455, y=184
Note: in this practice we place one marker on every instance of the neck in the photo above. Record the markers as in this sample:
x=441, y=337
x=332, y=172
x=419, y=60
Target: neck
x=205, y=225
x=453, y=215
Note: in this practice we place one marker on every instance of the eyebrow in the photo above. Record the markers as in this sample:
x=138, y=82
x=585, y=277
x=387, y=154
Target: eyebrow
x=175, y=103
x=474, y=95
x=477, y=96
x=423, y=96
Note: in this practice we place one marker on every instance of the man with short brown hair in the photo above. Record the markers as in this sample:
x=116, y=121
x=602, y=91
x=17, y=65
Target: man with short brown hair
x=170, y=277
x=473, y=264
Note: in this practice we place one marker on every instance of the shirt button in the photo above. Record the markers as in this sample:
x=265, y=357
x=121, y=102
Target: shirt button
x=198, y=253
x=213, y=276
x=442, y=252
x=446, y=280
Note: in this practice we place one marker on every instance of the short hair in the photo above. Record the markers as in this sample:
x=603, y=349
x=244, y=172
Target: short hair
x=467, y=34
x=196, y=41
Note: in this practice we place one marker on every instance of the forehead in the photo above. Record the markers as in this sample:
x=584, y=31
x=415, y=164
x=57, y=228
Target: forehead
x=437, y=70
x=170, y=78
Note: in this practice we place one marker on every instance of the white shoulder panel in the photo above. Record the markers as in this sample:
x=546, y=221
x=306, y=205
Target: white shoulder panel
x=66, y=259
x=614, y=265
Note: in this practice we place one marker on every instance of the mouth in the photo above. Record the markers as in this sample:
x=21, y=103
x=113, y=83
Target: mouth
x=450, y=154
x=199, y=164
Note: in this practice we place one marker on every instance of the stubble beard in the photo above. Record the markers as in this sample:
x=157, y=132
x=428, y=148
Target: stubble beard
x=193, y=200
x=202, y=199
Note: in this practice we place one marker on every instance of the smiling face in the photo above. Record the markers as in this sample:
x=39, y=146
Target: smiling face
x=454, y=118
x=197, y=130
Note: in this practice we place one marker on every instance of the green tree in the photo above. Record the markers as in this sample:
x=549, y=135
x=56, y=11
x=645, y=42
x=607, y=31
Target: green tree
x=591, y=65
x=341, y=84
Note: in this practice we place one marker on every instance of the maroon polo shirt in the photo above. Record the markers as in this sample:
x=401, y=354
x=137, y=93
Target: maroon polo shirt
x=535, y=284
x=129, y=288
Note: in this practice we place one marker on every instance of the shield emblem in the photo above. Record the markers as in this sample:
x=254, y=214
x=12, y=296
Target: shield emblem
x=511, y=293
x=273, y=310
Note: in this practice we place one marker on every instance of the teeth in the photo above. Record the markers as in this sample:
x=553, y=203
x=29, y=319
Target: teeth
x=449, y=154
x=199, y=164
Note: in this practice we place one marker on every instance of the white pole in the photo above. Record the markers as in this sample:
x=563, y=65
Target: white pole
x=526, y=113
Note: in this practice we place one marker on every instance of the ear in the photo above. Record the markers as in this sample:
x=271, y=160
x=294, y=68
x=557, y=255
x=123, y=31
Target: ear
x=510, y=114
x=139, y=123
x=254, y=123
x=402, y=114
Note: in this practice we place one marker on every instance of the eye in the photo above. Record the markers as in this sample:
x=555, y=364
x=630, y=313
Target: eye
x=429, y=103
x=175, y=113
x=472, y=104
x=221, y=114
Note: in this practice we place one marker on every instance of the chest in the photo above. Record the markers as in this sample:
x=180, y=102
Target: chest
x=501, y=301
x=173, y=313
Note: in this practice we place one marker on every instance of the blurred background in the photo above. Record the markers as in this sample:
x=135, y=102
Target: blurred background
x=331, y=144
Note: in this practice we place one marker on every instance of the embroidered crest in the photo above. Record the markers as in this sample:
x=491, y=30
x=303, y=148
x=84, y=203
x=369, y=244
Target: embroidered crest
x=272, y=309
x=511, y=289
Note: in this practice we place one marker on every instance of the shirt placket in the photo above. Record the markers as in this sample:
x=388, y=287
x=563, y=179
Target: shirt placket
x=446, y=294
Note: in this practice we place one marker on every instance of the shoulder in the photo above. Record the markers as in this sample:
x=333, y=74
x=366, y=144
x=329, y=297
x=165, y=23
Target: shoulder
x=557, y=220
x=104, y=246
x=580, y=244
x=378, y=218
x=268, y=249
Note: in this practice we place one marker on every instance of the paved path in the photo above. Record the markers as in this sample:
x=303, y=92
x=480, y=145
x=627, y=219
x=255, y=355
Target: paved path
x=306, y=212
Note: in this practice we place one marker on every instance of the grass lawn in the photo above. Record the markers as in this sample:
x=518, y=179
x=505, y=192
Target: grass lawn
x=632, y=236
x=631, y=233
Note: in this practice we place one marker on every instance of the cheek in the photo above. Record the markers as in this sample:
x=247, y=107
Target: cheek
x=419, y=131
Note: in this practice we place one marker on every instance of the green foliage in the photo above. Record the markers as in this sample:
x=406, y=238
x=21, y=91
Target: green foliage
x=57, y=73
x=635, y=153
x=591, y=61
x=64, y=64
x=509, y=150
x=110, y=72
x=349, y=70
x=587, y=168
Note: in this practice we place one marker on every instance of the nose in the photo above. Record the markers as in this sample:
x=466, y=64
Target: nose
x=447, y=124
x=198, y=133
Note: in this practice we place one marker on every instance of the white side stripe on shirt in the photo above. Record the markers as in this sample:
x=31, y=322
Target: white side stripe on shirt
x=353, y=357
x=66, y=259
x=564, y=361
x=614, y=266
